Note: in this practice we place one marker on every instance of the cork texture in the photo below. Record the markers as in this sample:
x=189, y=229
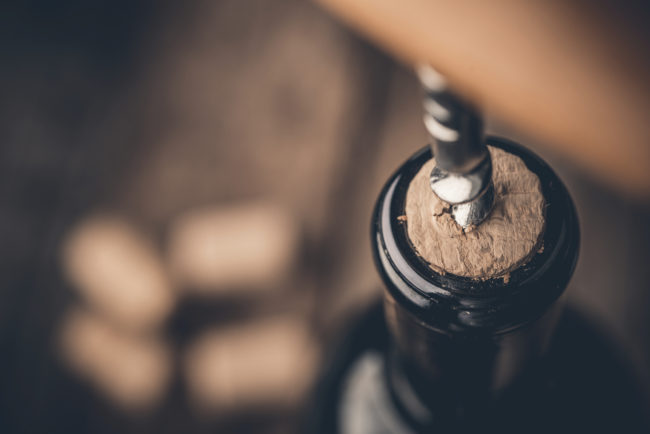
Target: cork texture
x=506, y=240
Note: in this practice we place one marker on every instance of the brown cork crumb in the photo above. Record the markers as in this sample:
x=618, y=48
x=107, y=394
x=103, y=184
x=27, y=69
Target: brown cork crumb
x=469, y=228
x=401, y=218
x=506, y=240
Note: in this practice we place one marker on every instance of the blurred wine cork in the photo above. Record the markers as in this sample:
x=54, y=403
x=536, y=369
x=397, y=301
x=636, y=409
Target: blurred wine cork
x=269, y=362
x=131, y=371
x=118, y=272
x=216, y=249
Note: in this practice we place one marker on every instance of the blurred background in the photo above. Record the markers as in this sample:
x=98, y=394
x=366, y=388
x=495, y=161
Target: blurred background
x=185, y=196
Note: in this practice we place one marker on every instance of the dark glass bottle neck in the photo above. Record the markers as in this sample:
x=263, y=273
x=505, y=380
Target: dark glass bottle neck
x=452, y=303
x=457, y=340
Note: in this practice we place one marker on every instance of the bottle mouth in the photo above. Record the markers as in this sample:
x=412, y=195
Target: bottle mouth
x=448, y=301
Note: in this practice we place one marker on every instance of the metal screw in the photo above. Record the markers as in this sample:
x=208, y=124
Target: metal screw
x=462, y=176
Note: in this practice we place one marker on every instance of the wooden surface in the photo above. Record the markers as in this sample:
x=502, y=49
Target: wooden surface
x=208, y=104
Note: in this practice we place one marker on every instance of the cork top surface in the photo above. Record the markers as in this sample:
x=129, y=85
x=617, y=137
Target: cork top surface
x=506, y=240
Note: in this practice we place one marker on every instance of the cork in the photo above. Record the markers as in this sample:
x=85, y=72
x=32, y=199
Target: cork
x=119, y=272
x=132, y=370
x=240, y=248
x=506, y=240
x=268, y=361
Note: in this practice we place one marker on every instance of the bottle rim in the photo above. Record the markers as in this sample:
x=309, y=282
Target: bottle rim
x=450, y=302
